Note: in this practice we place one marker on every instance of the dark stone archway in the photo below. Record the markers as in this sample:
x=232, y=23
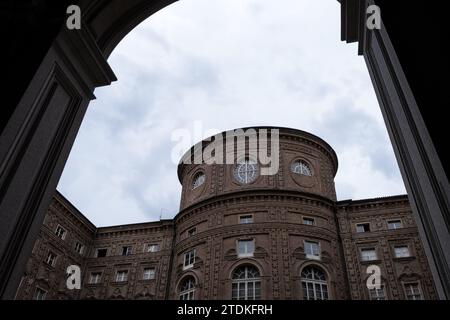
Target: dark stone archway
x=49, y=102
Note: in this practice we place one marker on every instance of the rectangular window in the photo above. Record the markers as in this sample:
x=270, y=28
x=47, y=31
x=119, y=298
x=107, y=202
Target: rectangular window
x=149, y=273
x=308, y=221
x=402, y=252
x=79, y=248
x=394, y=224
x=60, y=232
x=153, y=247
x=189, y=259
x=312, y=249
x=412, y=291
x=96, y=277
x=363, y=227
x=39, y=294
x=192, y=232
x=126, y=251
x=100, y=253
x=51, y=259
x=368, y=254
x=246, y=219
x=122, y=276
x=377, y=294
x=246, y=248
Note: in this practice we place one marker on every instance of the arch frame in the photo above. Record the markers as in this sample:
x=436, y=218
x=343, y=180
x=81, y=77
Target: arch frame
x=36, y=140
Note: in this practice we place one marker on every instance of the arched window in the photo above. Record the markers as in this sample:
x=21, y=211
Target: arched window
x=301, y=167
x=187, y=288
x=246, y=283
x=314, y=284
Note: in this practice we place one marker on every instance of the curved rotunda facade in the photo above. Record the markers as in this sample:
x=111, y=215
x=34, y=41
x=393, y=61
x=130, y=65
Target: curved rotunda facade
x=271, y=226
x=241, y=234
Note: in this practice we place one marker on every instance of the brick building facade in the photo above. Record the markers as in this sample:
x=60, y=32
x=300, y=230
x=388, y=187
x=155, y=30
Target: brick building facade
x=240, y=235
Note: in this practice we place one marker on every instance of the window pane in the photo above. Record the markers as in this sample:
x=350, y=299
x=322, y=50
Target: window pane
x=246, y=219
x=314, y=284
x=363, y=227
x=311, y=291
x=245, y=247
x=305, y=291
x=257, y=290
x=246, y=284
x=401, y=252
x=241, y=291
x=312, y=248
x=368, y=254
x=234, y=291
x=395, y=224
x=250, y=292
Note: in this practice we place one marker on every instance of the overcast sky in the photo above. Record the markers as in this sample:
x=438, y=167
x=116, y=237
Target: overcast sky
x=218, y=65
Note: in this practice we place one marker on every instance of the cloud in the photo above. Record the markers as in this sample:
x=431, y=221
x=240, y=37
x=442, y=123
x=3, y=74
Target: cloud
x=225, y=64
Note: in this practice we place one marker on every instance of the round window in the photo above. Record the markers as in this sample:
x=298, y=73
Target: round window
x=199, y=179
x=301, y=167
x=246, y=171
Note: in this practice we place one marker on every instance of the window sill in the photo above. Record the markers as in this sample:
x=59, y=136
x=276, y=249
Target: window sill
x=376, y=261
x=94, y=284
x=400, y=259
x=312, y=257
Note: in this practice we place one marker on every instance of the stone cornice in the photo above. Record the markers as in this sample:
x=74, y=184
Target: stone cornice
x=136, y=229
x=409, y=232
x=248, y=196
x=374, y=203
x=80, y=46
x=70, y=211
x=255, y=229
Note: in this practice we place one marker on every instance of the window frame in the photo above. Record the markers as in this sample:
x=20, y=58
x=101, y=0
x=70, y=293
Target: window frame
x=122, y=279
x=389, y=222
x=151, y=245
x=53, y=261
x=248, y=219
x=377, y=297
x=42, y=296
x=363, y=224
x=366, y=249
x=98, y=279
x=81, y=250
x=308, y=284
x=197, y=175
x=399, y=247
x=306, y=218
x=312, y=255
x=246, y=254
x=188, y=293
x=152, y=273
x=64, y=232
x=238, y=285
x=97, y=250
x=246, y=178
x=301, y=163
x=127, y=250
x=191, y=232
x=419, y=287
x=187, y=257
